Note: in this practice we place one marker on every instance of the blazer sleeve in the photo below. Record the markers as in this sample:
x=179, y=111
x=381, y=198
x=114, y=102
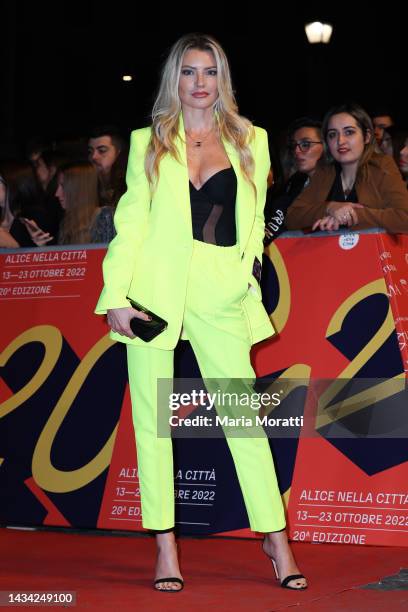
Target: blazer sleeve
x=393, y=193
x=130, y=220
x=311, y=204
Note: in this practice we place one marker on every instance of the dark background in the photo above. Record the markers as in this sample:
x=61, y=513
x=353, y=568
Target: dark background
x=62, y=61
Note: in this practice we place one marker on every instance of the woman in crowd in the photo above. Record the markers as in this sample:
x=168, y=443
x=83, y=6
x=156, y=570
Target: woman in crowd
x=84, y=221
x=358, y=188
x=77, y=193
x=6, y=219
x=189, y=235
x=25, y=209
x=304, y=150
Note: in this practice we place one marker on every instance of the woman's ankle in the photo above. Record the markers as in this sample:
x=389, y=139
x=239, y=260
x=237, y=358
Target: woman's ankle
x=166, y=540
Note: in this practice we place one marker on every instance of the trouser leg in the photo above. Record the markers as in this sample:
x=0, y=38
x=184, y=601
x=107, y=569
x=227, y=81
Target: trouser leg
x=154, y=454
x=218, y=332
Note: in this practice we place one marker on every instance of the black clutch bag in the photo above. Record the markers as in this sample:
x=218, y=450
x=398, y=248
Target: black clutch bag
x=146, y=330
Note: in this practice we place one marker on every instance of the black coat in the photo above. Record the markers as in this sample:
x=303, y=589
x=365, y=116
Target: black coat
x=277, y=207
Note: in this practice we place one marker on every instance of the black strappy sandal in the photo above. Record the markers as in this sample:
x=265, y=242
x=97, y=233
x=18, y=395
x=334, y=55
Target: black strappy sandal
x=285, y=582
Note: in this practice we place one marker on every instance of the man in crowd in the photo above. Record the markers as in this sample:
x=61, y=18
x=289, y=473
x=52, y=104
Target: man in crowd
x=108, y=151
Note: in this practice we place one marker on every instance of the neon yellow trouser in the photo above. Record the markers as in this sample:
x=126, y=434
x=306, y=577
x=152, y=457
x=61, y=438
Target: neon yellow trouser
x=216, y=327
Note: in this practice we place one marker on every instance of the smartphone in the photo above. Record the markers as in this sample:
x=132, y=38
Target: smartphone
x=32, y=224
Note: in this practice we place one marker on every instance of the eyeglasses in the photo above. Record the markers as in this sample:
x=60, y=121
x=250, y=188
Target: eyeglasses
x=304, y=145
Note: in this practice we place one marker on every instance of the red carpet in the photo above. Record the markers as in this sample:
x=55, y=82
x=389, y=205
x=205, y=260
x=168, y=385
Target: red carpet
x=115, y=572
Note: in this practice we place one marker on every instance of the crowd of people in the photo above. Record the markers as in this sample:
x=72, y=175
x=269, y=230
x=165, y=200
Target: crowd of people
x=349, y=170
x=60, y=197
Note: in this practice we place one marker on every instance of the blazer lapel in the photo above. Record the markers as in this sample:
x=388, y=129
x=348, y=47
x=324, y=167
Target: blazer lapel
x=174, y=175
x=245, y=204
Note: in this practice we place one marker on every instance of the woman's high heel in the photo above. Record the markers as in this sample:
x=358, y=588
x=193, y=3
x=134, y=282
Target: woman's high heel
x=177, y=583
x=285, y=582
x=275, y=568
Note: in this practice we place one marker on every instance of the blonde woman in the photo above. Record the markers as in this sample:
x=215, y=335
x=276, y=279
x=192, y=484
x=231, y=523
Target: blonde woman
x=189, y=237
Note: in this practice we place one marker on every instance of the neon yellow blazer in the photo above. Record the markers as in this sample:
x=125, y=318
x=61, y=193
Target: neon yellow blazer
x=149, y=258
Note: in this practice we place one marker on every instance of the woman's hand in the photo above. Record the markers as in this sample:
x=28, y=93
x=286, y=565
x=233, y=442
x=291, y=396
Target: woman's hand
x=344, y=212
x=119, y=319
x=38, y=236
x=327, y=223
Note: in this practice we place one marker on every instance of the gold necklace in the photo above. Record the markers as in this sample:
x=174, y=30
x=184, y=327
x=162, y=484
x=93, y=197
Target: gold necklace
x=199, y=142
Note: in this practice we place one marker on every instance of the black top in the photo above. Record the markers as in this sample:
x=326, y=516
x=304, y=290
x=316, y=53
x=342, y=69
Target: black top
x=276, y=207
x=213, y=209
x=336, y=193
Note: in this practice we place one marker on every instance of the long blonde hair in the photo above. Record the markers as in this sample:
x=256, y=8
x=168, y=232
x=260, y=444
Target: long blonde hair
x=81, y=203
x=167, y=107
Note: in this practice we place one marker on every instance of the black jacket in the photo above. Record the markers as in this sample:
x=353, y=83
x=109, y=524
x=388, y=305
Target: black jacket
x=276, y=207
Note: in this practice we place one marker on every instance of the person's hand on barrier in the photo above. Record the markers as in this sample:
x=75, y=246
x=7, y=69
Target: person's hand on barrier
x=119, y=319
x=344, y=212
x=38, y=236
x=328, y=224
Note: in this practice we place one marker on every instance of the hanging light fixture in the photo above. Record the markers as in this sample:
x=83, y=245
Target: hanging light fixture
x=318, y=32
